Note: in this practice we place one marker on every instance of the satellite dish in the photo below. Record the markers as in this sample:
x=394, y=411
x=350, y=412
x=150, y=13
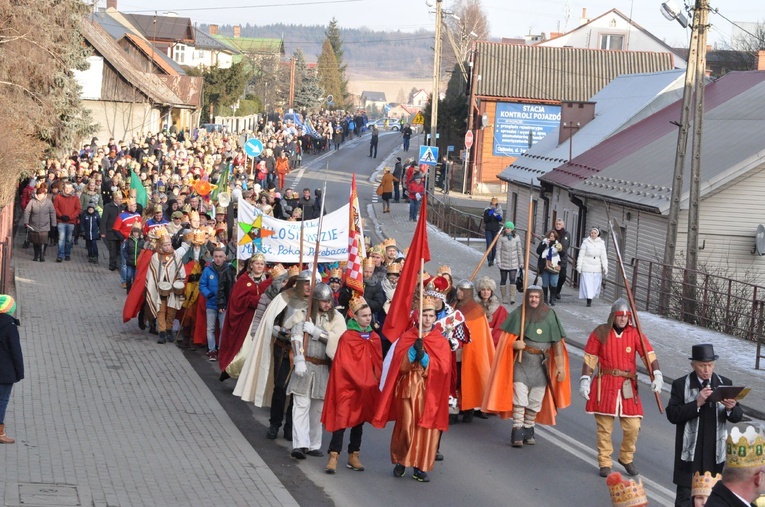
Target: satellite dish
x=330, y=99
x=760, y=240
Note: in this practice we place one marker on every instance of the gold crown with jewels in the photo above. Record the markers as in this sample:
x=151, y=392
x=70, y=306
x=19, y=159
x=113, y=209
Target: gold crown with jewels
x=626, y=493
x=703, y=484
x=356, y=303
x=745, y=449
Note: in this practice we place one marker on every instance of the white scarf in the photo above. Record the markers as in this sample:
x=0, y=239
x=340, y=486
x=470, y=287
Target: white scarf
x=690, y=433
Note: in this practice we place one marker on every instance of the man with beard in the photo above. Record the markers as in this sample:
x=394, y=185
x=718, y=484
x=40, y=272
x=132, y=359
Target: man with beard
x=475, y=357
x=415, y=394
x=312, y=358
x=264, y=376
x=613, y=348
x=243, y=301
x=564, y=238
x=165, y=268
x=533, y=387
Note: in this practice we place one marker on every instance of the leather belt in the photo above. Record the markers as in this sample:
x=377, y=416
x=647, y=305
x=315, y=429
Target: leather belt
x=282, y=344
x=534, y=350
x=316, y=360
x=619, y=373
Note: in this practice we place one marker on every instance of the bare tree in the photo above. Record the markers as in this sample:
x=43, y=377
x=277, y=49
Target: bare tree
x=465, y=21
x=740, y=53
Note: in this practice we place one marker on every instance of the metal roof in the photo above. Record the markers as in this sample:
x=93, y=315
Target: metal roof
x=636, y=165
x=203, y=40
x=556, y=74
x=373, y=96
x=253, y=45
x=623, y=102
x=168, y=28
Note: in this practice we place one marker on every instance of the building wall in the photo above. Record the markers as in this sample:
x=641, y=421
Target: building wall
x=122, y=120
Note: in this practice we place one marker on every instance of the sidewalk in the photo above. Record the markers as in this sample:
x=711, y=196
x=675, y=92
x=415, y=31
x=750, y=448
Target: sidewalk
x=105, y=415
x=671, y=340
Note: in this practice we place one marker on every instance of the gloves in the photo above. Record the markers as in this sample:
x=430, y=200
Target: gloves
x=519, y=345
x=276, y=331
x=454, y=343
x=560, y=369
x=498, y=216
x=584, y=387
x=64, y=218
x=313, y=330
x=423, y=359
x=658, y=381
x=300, y=367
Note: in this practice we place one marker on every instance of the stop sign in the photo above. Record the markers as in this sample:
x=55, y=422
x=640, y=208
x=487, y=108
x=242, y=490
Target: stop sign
x=468, y=139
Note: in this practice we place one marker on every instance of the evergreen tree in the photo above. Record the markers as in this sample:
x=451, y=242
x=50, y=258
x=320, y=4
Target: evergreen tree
x=222, y=87
x=329, y=74
x=310, y=95
x=333, y=35
x=301, y=67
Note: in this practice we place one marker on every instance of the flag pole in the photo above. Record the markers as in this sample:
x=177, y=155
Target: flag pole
x=315, y=266
x=422, y=283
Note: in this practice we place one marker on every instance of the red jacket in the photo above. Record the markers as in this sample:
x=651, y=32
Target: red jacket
x=67, y=206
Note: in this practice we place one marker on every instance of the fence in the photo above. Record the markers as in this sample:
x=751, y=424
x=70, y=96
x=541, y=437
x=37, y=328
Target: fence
x=6, y=248
x=238, y=123
x=454, y=222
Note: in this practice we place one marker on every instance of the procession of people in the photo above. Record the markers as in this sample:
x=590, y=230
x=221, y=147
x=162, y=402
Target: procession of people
x=323, y=343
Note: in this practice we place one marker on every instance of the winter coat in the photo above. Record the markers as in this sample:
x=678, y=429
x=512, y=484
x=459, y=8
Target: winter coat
x=40, y=215
x=67, y=208
x=91, y=225
x=11, y=360
x=111, y=212
x=209, y=284
x=131, y=249
x=592, y=257
x=85, y=199
x=509, y=252
x=492, y=218
x=387, y=182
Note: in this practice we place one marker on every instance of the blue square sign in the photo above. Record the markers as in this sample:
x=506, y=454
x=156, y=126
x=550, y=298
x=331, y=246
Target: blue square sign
x=429, y=155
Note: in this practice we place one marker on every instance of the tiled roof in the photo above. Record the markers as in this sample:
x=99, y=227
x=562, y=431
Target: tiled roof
x=373, y=96
x=556, y=74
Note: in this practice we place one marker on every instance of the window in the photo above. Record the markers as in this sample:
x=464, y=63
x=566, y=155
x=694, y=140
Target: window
x=180, y=53
x=611, y=41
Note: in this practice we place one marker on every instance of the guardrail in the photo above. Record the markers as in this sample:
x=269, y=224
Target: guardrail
x=6, y=247
x=454, y=222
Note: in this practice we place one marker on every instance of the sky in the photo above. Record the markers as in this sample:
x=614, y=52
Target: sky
x=508, y=18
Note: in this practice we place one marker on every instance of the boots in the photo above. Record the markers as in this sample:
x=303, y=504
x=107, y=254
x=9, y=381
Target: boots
x=152, y=327
x=589, y=303
x=331, y=467
x=546, y=293
x=42, y=254
x=354, y=463
x=516, y=437
x=162, y=337
x=37, y=250
x=142, y=318
x=503, y=291
x=513, y=290
x=528, y=436
x=5, y=439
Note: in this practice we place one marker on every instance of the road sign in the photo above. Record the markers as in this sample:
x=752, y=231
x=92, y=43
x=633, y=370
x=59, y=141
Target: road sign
x=429, y=155
x=419, y=119
x=450, y=148
x=253, y=147
x=468, y=139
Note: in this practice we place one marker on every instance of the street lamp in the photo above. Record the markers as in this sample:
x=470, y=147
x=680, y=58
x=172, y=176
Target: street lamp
x=670, y=10
x=436, y=72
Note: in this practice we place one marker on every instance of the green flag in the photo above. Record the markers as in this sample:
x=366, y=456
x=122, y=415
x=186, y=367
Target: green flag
x=222, y=184
x=140, y=191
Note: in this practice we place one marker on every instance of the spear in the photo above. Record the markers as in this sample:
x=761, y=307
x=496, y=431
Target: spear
x=486, y=254
x=526, y=270
x=317, y=246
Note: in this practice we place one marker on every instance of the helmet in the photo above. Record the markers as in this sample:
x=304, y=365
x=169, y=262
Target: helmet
x=621, y=307
x=304, y=276
x=465, y=285
x=322, y=292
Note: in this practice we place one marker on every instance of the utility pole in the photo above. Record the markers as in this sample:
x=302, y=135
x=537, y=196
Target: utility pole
x=292, y=81
x=696, y=60
x=692, y=249
x=436, y=74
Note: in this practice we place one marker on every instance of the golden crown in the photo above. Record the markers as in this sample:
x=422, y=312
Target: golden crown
x=377, y=250
x=356, y=303
x=199, y=237
x=394, y=268
x=745, y=449
x=277, y=270
x=703, y=484
x=260, y=256
x=336, y=273
x=193, y=214
x=368, y=263
x=626, y=493
x=428, y=303
x=293, y=271
x=444, y=269
x=388, y=243
x=158, y=232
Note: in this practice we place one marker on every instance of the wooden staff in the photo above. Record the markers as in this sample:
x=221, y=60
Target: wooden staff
x=612, y=225
x=526, y=271
x=486, y=254
x=317, y=246
x=300, y=263
x=422, y=290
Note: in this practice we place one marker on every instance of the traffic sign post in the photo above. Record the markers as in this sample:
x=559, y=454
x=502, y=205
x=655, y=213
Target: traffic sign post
x=429, y=155
x=419, y=119
x=253, y=147
x=469, y=139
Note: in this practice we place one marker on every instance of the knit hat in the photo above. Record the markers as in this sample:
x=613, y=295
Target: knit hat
x=7, y=304
x=509, y=225
x=92, y=204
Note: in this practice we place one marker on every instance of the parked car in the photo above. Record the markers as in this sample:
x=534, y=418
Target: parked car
x=393, y=124
x=213, y=127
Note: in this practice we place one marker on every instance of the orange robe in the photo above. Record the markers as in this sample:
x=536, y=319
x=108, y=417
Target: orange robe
x=499, y=393
x=477, y=357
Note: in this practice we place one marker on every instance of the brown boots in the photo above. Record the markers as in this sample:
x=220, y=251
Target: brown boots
x=354, y=463
x=331, y=467
x=5, y=439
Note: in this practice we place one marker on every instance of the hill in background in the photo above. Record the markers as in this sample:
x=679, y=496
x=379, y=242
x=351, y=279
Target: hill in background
x=367, y=53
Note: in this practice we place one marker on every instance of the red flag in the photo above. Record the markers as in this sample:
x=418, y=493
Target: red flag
x=354, y=277
x=400, y=307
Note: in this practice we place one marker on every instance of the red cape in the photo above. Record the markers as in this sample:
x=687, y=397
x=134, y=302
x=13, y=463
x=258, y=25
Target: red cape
x=242, y=303
x=353, y=389
x=137, y=295
x=436, y=411
x=200, y=321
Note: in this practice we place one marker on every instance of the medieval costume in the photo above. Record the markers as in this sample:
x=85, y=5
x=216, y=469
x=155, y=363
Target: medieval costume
x=415, y=394
x=496, y=313
x=613, y=349
x=165, y=269
x=354, y=386
x=312, y=358
x=530, y=389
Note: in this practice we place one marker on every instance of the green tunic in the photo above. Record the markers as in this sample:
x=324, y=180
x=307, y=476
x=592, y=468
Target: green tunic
x=549, y=329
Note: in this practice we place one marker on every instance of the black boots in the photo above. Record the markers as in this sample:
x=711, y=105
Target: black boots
x=516, y=437
x=546, y=292
x=42, y=253
x=142, y=318
x=162, y=337
x=528, y=436
x=38, y=252
x=589, y=303
x=152, y=327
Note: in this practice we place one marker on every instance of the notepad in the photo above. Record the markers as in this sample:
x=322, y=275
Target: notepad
x=728, y=393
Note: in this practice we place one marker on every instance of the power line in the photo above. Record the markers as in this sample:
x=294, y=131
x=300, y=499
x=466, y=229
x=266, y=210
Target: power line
x=219, y=8
x=756, y=37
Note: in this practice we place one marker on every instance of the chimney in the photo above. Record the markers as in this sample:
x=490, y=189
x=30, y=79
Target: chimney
x=111, y=4
x=213, y=29
x=584, y=20
x=237, y=30
x=574, y=115
x=761, y=60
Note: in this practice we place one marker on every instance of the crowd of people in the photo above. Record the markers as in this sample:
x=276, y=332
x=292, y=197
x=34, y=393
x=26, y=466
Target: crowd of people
x=324, y=353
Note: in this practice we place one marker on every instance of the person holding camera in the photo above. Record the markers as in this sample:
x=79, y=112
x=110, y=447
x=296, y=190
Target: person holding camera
x=492, y=223
x=548, y=267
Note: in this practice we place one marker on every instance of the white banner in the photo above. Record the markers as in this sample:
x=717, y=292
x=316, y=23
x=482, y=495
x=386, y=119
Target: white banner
x=279, y=240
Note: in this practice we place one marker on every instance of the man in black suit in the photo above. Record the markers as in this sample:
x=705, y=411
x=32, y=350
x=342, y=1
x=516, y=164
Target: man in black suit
x=743, y=480
x=700, y=424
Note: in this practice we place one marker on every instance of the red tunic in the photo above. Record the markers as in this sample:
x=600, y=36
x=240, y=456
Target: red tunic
x=435, y=414
x=353, y=389
x=618, y=353
x=242, y=303
x=499, y=316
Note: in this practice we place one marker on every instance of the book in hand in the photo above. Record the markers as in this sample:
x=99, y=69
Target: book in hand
x=728, y=393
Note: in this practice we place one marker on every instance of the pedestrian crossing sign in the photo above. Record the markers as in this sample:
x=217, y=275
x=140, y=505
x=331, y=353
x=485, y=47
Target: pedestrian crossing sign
x=419, y=119
x=428, y=155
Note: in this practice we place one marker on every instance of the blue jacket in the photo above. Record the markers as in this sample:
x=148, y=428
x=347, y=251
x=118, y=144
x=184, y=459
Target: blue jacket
x=215, y=291
x=91, y=225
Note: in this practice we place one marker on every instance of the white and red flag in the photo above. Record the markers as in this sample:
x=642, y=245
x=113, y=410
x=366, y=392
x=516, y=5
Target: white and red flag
x=354, y=278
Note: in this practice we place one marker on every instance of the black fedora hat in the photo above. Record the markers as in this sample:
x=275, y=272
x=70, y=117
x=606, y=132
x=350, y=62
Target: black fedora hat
x=703, y=352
